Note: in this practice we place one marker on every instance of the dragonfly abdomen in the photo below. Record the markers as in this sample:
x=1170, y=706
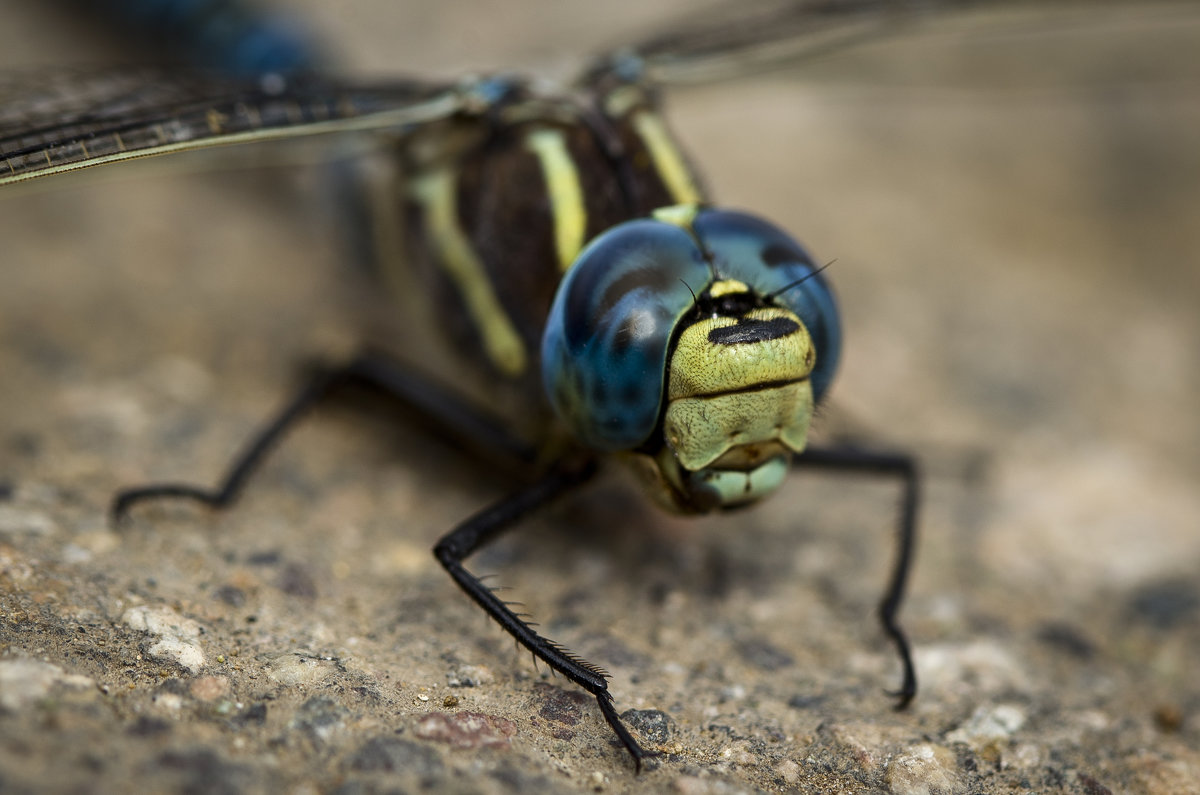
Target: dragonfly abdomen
x=225, y=36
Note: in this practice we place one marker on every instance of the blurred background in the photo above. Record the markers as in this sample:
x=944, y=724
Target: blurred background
x=1010, y=195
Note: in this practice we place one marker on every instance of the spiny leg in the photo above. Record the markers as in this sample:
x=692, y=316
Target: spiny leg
x=449, y=412
x=485, y=527
x=904, y=467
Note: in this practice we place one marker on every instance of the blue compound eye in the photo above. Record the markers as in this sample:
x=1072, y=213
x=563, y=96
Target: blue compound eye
x=768, y=260
x=604, y=349
x=609, y=331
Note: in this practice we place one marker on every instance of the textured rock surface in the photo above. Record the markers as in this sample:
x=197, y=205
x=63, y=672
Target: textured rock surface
x=1012, y=215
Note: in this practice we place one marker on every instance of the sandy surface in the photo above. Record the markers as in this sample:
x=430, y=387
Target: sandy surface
x=1012, y=211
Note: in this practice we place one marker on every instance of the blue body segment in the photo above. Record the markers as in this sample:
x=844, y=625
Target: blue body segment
x=231, y=36
x=764, y=257
x=616, y=313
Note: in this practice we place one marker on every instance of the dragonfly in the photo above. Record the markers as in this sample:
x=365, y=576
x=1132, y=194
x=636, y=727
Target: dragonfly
x=574, y=261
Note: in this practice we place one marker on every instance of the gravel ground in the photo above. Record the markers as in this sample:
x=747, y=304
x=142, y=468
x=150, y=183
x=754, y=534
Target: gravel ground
x=1011, y=202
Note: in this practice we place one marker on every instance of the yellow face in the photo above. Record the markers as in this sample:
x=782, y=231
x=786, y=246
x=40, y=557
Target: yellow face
x=739, y=403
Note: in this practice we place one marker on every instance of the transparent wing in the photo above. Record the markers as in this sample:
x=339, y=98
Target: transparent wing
x=739, y=38
x=736, y=38
x=62, y=121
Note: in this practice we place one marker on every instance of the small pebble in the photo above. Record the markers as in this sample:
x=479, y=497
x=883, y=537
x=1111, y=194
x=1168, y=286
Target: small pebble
x=321, y=718
x=1168, y=717
x=15, y=521
x=923, y=770
x=299, y=669
x=25, y=682
x=654, y=726
x=210, y=688
x=393, y=755
x=789, y=771
x=989, y=725
x=466, y=729
x=980, y=666
x=560, y=705
x=469, y=676
x=179, y=635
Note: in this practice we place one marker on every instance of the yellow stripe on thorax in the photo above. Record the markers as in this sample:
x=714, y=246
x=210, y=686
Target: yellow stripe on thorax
x=680, y=215
x=436, y=191
x=668, y=160
x=565, y=192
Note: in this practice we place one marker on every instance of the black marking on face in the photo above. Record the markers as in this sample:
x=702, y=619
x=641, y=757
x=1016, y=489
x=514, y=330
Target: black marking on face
x=748, y=330
x=729, y=304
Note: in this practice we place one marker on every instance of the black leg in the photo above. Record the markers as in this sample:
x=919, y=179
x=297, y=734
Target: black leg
x=450, y=413
x=904, y=468
x=486, y=526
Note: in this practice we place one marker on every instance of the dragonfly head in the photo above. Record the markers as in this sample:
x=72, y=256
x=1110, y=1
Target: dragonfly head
x=696, y=343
